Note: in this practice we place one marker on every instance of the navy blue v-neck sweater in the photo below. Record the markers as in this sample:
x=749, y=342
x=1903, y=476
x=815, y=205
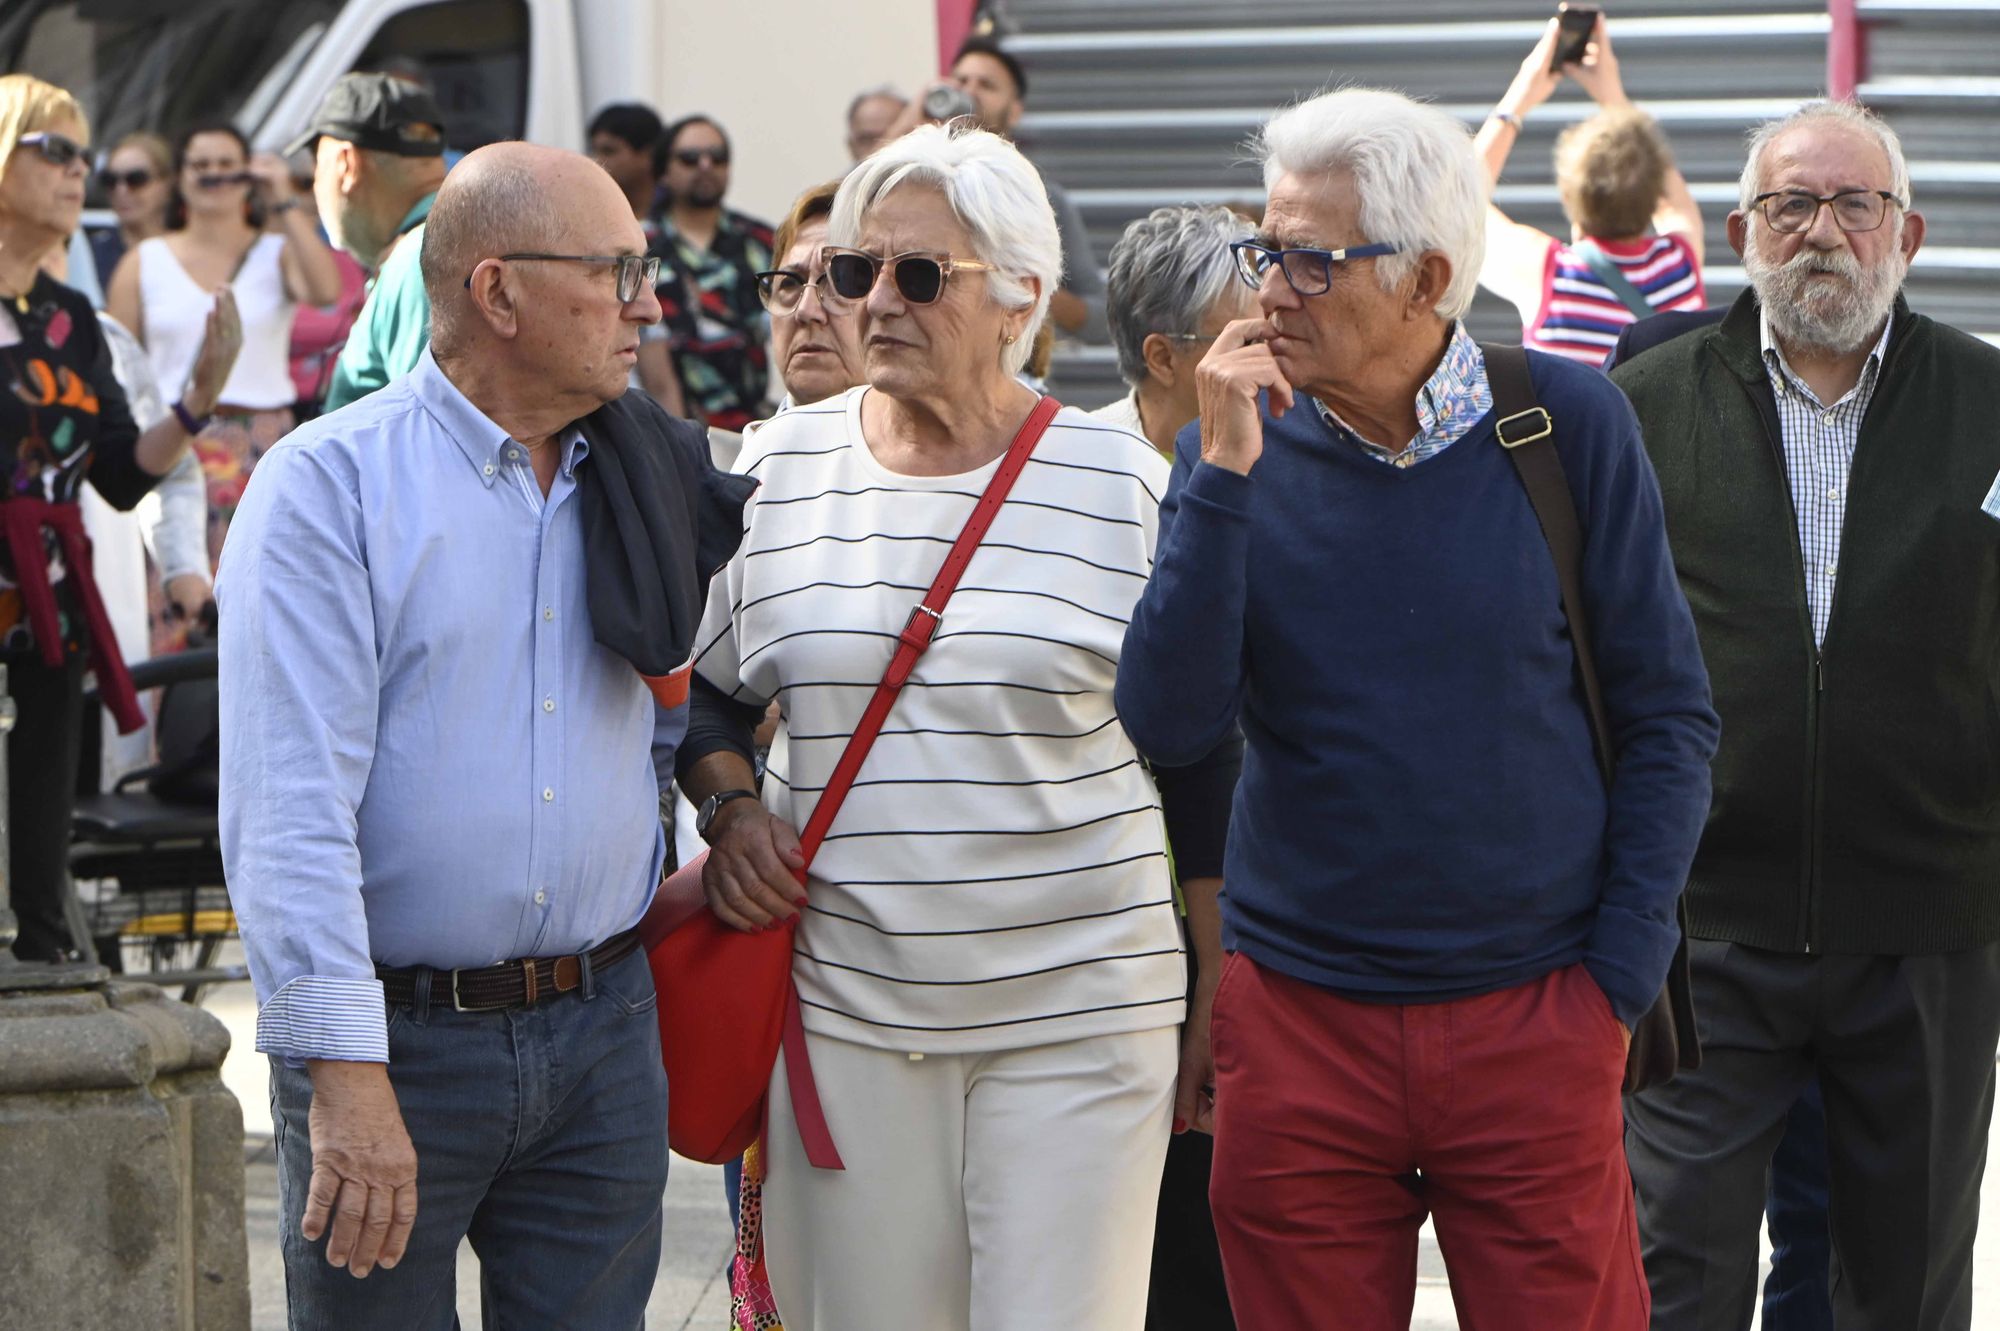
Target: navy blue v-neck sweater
x=1420, y=816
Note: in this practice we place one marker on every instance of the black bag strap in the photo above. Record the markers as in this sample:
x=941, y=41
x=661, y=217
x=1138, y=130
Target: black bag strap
x=1615, y=281
x=1528, y=434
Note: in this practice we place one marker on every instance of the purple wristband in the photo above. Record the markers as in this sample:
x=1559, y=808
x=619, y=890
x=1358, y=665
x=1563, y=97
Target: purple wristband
x=189, y=422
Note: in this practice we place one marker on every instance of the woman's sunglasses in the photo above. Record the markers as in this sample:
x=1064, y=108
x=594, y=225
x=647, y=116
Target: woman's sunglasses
x=56, y=149
x=781, y=289
x=138, y=179
x=919, y=276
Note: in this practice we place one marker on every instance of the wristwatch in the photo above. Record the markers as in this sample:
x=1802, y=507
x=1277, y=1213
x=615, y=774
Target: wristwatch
x=713, y=805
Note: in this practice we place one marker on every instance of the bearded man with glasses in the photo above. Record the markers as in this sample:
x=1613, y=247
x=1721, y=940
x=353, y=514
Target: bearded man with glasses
x=1441, y=923
x=1828, y=462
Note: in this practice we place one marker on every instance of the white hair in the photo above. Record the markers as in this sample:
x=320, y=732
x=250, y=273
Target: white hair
x=992, y=190
x=1167, y=272
x=1848, y=114
x=1419, y=183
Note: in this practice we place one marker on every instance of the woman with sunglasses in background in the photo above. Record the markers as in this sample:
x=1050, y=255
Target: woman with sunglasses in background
x=137, y=181
x=63, y=417
x=164, y=288
x=989, y=961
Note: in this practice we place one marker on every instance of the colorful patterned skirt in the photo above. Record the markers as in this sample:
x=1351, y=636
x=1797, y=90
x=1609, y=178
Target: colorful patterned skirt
x=228, y=450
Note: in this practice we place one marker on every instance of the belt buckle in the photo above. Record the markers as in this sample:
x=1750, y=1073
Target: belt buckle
x=458, y=1004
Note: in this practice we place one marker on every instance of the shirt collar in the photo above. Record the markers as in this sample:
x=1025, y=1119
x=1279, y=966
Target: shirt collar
x=1449, y=404
x=420, y=210
x=484, y=444
x=1785, y=377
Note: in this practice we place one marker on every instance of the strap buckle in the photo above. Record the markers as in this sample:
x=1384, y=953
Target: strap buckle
x=916, y=632
x=1535, y=417
x=459, y=1005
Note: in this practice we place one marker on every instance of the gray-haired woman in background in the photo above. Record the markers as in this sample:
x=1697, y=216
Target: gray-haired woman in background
x=1172, y=287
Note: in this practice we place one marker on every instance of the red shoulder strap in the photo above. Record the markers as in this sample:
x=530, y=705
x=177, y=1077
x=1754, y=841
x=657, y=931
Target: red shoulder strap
x=912, y=643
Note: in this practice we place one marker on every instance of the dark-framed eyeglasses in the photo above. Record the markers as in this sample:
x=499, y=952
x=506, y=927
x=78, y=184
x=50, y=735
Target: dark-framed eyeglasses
x=695, y=156
x=782, y=289
x=1310, y=271
x=56, y=149
x=919, y=275
x=636, y=272
x=138, y=178
x=1790, y=211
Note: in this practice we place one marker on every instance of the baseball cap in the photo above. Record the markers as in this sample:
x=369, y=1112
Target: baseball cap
x=379, y=113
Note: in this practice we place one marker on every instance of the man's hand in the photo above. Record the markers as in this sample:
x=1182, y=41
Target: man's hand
x=1236, y=369
x=187, y=593
x=364, y=1175
x=751, y=877
x=1194, y=1095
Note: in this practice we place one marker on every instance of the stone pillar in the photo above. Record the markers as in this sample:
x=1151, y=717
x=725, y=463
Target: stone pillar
x=121, y=1164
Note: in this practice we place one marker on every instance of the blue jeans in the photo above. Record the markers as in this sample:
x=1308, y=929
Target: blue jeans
x=1797, y=1293
x=541, y=1135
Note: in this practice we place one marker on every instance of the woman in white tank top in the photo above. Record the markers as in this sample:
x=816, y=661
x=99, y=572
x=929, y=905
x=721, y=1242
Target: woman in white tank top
x=164, y=289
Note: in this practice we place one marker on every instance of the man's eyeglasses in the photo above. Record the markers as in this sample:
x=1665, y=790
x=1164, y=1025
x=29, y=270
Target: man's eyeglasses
x=636, y=272
x=781, y=289
x=1309, y=271
x=56, y=149
x=695, y=156
x=1792, y=211
x=919, y=275
x=135, y=179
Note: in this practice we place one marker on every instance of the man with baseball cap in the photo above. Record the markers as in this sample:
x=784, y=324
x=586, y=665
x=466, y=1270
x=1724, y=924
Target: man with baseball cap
x=378, y=159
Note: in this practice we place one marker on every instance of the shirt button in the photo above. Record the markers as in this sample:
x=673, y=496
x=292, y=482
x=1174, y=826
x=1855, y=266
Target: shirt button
x=548, y=794
x=488, y=469
x=1833, y=494
x=1826, y=418
x=541, y=897
x=1827, y=571
x=513, y=455
x=548, y=612
x=548, y=704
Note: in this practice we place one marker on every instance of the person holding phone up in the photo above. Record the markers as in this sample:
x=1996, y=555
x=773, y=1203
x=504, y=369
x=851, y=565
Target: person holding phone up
x=1635, y=234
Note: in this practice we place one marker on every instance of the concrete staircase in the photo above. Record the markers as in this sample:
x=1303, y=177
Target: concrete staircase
x=1138, y=103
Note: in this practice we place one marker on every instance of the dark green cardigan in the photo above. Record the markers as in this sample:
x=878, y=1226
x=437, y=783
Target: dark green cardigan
x=1857, y=790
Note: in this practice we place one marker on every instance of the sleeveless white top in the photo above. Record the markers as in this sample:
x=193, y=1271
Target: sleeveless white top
x=175, y=313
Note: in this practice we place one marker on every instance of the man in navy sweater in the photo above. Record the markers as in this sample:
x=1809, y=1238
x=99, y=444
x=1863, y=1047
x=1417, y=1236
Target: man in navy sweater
x=1442, y=926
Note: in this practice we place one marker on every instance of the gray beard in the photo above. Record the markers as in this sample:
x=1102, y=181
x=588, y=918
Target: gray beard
x=1839, y=314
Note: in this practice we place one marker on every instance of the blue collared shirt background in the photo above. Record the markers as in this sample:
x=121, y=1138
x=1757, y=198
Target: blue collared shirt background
x=427, y=759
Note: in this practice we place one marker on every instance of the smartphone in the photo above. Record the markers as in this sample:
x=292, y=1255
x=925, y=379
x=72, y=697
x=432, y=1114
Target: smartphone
x=1576, y=22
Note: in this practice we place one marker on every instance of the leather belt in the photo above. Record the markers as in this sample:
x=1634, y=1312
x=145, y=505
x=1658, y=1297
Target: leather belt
x=520, y=983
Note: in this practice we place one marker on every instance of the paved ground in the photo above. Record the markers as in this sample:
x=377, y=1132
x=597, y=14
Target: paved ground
x=692, y=1292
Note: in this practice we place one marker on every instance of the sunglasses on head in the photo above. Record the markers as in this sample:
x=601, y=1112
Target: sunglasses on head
x=135, y=179
x=919, y=275
x=56, y=149
x=695, y=156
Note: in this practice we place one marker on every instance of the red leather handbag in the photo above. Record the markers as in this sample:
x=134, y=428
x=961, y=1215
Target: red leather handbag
x=727, y=1004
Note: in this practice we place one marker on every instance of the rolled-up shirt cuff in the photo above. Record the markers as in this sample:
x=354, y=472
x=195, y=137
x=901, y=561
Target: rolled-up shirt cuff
x=325, y=1016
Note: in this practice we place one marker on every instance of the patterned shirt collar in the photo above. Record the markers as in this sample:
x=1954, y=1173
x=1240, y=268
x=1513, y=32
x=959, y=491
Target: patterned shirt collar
x=1784, y=379
x=1454, y=399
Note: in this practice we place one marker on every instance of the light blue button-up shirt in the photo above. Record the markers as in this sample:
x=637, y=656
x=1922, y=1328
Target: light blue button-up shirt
x=427, y=758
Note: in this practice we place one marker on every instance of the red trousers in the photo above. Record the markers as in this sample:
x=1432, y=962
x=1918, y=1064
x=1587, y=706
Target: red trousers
x=1340, y=1125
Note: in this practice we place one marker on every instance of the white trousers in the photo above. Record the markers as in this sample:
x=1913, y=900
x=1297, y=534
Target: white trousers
x=1009, y=1191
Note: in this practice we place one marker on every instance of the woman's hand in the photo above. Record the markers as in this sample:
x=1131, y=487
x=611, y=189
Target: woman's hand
x=272, y=179
x=1535, y=81
x=217, y=357
x=754, y=862
x=1597, y=73
x=1194, y=1094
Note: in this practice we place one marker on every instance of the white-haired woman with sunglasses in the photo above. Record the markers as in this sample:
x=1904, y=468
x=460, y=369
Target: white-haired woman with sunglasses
x=989, y=962
x=63, y=418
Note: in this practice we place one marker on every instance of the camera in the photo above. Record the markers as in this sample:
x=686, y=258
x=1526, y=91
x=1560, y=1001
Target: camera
x=948, y=101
